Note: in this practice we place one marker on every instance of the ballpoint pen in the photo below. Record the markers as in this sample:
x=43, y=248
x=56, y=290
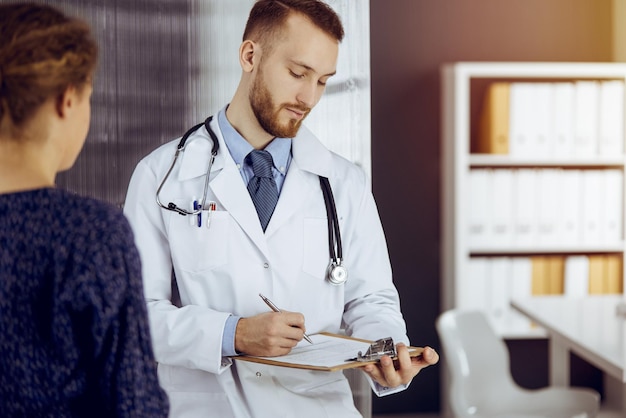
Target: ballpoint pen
x=211, y=208
x=275, y=309
x=196, y=206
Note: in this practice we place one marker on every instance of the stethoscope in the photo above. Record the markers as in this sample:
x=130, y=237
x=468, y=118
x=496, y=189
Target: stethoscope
x=336, y=273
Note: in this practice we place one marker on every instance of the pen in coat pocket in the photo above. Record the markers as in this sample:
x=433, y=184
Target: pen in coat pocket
x=210, y=209
x=196, y=206
x=275, y=309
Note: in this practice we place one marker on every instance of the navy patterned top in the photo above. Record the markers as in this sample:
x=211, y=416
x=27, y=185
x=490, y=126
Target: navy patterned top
x=74, y=336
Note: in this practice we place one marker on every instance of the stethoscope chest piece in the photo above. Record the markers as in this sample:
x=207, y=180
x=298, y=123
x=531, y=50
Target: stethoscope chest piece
x=337, y=274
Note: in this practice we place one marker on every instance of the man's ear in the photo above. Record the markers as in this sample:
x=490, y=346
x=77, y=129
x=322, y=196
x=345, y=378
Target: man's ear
x=66, y=101
x=248, y=55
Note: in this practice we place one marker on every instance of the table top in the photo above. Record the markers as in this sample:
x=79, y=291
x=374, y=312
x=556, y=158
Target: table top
x=590, y=326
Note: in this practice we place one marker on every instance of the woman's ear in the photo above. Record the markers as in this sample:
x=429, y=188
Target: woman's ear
x=66, y=101
x=247, y=55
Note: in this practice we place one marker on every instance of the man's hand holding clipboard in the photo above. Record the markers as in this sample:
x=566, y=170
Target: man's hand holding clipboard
x=391, y=373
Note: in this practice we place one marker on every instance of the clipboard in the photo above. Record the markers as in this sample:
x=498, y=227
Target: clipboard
x=329, y=352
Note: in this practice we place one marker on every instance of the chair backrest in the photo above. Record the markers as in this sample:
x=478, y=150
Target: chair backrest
x=477, y=359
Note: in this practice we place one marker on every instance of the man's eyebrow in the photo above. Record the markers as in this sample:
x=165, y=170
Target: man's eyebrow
x=309, y=68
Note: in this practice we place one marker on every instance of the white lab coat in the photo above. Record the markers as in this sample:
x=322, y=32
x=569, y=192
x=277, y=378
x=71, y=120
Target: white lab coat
x=221, y=270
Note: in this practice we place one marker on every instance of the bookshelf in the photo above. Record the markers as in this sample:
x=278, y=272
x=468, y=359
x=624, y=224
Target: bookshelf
x=493, y=186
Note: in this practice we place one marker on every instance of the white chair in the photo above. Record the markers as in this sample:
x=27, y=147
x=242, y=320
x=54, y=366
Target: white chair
x=480, y=380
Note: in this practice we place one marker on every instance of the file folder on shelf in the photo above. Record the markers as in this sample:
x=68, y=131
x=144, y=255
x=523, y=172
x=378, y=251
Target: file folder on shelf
x=493, y=130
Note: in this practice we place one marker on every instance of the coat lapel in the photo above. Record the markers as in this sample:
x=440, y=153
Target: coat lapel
x=310, y=160
x=298, y=189
x=231, y=192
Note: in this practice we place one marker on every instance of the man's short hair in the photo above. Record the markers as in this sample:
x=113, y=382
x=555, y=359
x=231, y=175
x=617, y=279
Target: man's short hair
x=267, y=17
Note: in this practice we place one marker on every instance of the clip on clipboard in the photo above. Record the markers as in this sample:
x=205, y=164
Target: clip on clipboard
x=378, y=349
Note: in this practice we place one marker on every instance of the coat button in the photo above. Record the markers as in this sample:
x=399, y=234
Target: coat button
x=258, y=374
x=266, y=265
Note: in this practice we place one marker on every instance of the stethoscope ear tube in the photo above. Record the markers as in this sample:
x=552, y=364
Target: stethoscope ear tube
x=181, y=148
x=336, y=274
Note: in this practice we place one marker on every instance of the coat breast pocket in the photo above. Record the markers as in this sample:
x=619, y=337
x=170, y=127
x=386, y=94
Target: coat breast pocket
x=196, y=248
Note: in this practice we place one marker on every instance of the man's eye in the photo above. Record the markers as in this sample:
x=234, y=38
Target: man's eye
x=296, y=75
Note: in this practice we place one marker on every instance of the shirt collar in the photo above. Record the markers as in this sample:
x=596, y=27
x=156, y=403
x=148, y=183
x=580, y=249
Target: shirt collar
x=239, y=148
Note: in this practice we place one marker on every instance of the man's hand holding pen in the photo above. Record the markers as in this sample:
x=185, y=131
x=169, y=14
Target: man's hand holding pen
x=276, y=309
x=392, y=374
x=269, y=334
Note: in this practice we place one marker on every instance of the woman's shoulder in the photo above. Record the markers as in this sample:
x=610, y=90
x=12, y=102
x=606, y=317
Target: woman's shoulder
x=80, y=215
x=79, y=206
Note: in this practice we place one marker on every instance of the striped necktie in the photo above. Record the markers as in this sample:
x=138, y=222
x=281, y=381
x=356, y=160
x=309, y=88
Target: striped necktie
x=262, y=187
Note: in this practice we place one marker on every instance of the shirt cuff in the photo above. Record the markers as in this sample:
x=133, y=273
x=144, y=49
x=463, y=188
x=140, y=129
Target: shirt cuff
x=228, y=337
x=381, y=390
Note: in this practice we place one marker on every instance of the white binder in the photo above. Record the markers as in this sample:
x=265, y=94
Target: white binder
x=479, y=214
x=611, y=206
x=521, y=123
x=611, y=118
x=570, y=207
x=592, y=192
x=547, y=202
x=525, y=208
x=563, y=122
x=576, y=276
x=586, y=118
x=501, y=234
